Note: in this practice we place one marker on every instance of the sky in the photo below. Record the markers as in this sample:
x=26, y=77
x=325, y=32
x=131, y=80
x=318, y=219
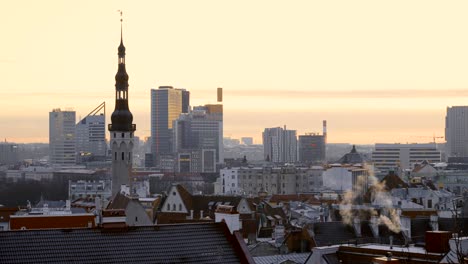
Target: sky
x=377, y=71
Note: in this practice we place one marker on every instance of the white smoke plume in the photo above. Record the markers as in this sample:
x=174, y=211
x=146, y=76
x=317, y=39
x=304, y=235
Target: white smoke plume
x=388, y=215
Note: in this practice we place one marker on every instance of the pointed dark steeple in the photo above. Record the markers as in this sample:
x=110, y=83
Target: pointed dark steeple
x=121, y=118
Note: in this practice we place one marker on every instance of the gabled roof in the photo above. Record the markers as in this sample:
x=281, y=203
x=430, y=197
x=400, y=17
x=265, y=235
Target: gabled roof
x=119, y=201
x=185, y=196
x=206, y=203
x=392, y=181
x=184, y=243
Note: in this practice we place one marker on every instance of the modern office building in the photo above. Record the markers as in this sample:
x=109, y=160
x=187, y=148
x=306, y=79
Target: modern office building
x=8, y=153
x=401, y=157
x=456, y=131
x=62, y=141
x=167, y=104
x=311, y=148
x=121, y=128
x=91, y=134
x=280, y=144
x=199, y=134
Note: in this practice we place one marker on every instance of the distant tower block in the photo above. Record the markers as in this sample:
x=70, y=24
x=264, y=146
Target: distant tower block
x=325, y=130
x=220, y=94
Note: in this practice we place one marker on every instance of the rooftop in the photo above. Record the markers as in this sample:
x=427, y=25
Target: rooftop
x=183, y=243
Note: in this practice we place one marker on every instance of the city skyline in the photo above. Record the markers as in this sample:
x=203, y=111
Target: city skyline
x=377, y=72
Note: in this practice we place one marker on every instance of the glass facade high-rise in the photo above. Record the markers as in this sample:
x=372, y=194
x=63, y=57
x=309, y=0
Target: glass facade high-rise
x=456, y=131
x=167, y=104
x=62, y=141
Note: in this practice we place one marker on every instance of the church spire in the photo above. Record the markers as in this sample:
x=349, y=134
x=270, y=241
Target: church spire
x=121, y=118
x=121, y=46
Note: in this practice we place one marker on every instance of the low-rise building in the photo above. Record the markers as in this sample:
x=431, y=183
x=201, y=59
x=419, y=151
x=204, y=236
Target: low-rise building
x=83, y=189
x=287, y=179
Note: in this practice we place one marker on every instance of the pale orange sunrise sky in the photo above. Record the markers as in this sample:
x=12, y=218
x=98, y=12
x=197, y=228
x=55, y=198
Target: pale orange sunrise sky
x=378, y=71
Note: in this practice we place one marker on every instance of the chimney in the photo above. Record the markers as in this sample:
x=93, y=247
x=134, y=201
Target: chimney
x=229, y=215
x=220, y=94
x=191, y=214
x=201, y=214
x=405, y=224
x=434, y=223
x=97, y=202
x=374, y=225
x=357, y=226
x=438, y=241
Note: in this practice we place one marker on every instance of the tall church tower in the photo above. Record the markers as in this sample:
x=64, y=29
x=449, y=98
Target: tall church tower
x=121, y=128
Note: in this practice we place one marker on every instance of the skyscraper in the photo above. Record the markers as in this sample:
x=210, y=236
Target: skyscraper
x=198, y=138
x=91, y=133
x=311, y=148
x=121, y=128
x=167, y=104
x=62, y=142
x=280, y=145
x=456, y=131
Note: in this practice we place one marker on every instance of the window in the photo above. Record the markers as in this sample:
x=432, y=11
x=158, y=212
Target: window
x=233, y=185
x=115, y=156
x=123, y=135
x=173, y=207
x=429, y=203
x=168, y=207
x=233, y=176
x=123, y=156
x=136, y=218
x=115, y=135
x=180, y=207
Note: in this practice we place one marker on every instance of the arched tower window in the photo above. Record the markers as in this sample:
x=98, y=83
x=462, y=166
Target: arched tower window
x=123, y=156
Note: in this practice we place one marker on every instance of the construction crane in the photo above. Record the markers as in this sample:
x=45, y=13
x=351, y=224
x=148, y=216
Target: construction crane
x=434, y=137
